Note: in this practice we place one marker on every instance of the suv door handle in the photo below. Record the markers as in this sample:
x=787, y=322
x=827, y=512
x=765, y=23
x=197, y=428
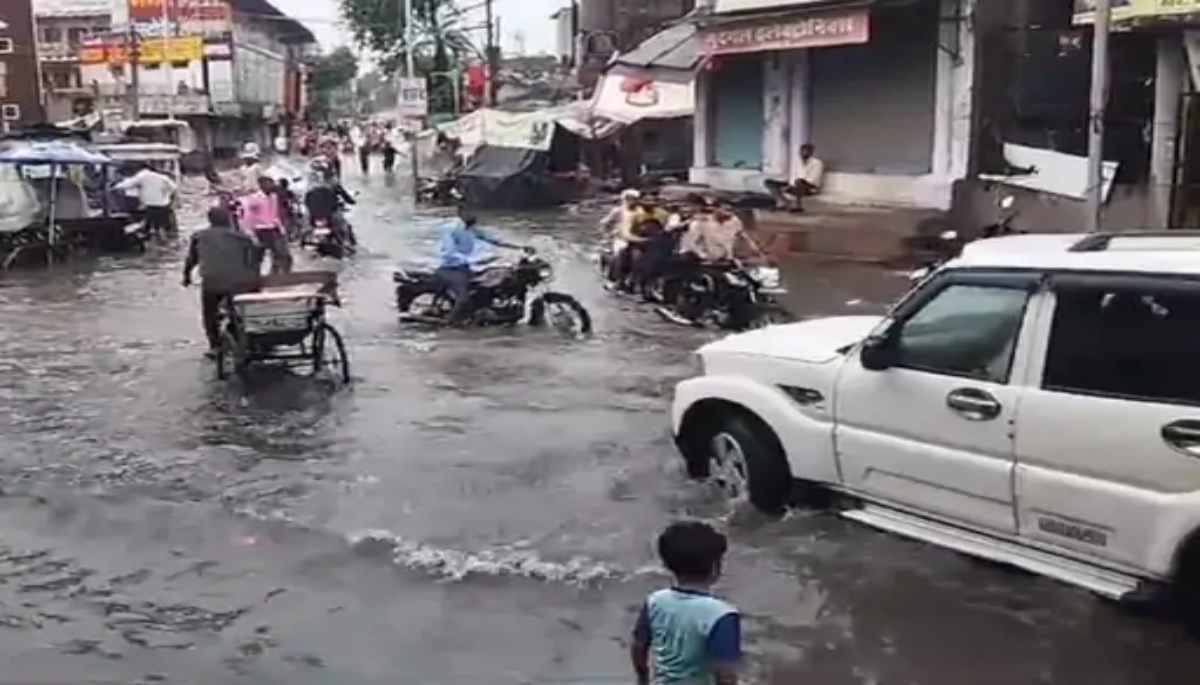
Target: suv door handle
x=973, y=405
x=1183, y=437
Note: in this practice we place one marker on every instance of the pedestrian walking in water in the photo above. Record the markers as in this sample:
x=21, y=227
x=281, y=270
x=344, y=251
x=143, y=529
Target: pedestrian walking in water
x=228, y=265
x=260, y=217
x=684, y=635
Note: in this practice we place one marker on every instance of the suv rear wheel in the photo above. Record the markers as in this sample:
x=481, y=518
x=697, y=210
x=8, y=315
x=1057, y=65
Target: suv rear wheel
x=743, y=457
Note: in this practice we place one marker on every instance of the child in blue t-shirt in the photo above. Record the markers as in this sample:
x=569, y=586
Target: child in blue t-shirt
x=694, y=636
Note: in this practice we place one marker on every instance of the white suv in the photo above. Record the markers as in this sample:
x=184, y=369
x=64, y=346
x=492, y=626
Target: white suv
x=1035, y=401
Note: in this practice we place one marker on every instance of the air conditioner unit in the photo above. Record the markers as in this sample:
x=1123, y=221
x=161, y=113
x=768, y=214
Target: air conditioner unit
x=10, y=112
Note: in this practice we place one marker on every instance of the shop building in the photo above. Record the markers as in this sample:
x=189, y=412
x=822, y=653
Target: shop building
x=883, y=89
x=20, y=96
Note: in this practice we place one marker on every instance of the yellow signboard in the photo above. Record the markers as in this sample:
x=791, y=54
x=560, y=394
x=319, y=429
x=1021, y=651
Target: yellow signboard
x=1123, y=10
x=152, y=51
x=184, y=49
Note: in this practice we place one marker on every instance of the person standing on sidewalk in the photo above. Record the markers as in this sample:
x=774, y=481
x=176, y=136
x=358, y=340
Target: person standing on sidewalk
x=694, y=637
x=155, y=193
x=260, y=219
x=228, y=266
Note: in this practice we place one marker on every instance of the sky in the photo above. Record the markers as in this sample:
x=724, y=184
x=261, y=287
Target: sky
x=529, y=17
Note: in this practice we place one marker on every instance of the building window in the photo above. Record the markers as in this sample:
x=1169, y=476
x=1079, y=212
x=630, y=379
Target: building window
x=52, y=34
x=10, y=112
x=6, y=46
x=76, y=36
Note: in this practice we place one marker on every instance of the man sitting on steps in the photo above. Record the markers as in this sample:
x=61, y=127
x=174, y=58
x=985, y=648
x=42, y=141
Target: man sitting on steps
x=807, y=181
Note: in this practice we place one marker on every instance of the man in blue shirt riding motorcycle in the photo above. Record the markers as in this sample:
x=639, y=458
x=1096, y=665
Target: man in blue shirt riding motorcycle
x=460, y=250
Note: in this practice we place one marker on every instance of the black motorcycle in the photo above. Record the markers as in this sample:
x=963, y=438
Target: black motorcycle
x=326, y=240
x=498, y=295
x=729, y=295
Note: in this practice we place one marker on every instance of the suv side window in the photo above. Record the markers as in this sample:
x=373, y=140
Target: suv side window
x=965, y=330
x=1133, y=342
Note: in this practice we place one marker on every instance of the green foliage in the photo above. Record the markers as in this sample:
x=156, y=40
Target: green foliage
x=439, y=42
x=327, y=74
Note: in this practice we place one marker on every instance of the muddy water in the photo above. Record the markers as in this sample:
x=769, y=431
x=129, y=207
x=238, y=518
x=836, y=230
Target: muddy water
x=476, y=508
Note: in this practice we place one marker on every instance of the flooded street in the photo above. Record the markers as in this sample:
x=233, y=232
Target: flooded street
x=478, y=507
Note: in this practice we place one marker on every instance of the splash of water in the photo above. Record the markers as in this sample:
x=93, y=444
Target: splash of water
x=508, y=560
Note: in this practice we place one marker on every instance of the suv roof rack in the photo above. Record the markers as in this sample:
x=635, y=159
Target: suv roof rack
x=1099, y=242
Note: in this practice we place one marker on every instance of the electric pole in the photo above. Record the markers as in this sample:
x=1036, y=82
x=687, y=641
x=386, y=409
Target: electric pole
x=410, y=70
x=170, y=67
x=1099, y=100
x=133, y=56
x=493, y=56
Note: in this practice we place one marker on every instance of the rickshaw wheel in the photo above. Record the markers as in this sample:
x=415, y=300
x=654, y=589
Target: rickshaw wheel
x=329, y=352
x=229, y=361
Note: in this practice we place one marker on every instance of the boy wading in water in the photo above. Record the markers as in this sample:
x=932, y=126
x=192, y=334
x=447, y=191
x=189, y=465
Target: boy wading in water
x=694, y=637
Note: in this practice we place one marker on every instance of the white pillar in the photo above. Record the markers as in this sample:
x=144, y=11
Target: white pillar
x=776, y=90
x=701, y=136
x=801, y=107
x=1168, y=86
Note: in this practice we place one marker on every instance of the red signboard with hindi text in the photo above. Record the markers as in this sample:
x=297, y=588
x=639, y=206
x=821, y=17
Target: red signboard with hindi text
x=804, y=30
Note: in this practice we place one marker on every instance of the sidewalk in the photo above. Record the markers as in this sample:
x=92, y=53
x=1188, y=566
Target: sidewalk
x=822, y=287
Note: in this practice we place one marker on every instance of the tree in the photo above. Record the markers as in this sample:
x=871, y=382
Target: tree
x=327, y=74
x=440, y=40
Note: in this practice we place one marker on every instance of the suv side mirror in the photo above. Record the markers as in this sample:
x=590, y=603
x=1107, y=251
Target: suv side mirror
x=878, y=353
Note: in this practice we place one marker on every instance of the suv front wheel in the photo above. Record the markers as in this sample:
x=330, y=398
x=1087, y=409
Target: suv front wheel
x=743, y=457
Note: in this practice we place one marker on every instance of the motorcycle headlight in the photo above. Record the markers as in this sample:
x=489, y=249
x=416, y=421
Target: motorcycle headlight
x=546, y=272
x=768, y=277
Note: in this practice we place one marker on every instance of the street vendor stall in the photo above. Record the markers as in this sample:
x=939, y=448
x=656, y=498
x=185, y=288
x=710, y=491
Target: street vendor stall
x=523, y=159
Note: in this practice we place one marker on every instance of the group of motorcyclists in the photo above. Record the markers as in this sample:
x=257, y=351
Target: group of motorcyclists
x=656, y=245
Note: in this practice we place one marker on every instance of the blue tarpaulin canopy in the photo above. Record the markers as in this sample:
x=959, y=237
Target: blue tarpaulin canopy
x=51, y=152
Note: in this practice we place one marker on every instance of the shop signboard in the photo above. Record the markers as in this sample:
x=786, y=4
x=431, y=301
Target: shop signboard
x=1125, y=10
x=185, y=49
x=179, y=17
x=72, y=8
x=803, y=30
x=414, y=98
x=724, y=6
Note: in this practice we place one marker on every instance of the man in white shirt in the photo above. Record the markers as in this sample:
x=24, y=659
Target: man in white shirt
x=155, y=193
x=809, y=177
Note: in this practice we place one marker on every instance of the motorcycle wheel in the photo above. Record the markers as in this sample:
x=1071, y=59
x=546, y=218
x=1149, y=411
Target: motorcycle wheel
x=561, y=311
x=422, y=303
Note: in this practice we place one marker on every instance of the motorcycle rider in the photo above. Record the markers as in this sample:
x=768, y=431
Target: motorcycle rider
x=459, y=251
x=622, y=223
x=326, y=199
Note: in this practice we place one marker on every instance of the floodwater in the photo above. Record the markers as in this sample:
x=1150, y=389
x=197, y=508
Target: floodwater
x=478, y=507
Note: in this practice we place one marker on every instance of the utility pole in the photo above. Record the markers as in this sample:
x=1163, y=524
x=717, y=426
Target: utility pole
x=493, y=56
x=166, y=20
x=410, y=70
x=133, y=56
x=1099, y=99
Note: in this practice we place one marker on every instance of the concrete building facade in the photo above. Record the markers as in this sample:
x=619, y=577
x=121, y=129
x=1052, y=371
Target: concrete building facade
x=20, y=95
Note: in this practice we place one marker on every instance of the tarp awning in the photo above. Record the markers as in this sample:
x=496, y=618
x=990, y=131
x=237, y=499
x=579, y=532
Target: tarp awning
x=675, y=47
x=524, y=130
x=628, y=94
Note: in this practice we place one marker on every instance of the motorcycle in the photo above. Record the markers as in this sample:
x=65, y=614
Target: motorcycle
x=442, y=191
x=326, y=241
x=949, y=245
x=731, y=296
x=498, y=295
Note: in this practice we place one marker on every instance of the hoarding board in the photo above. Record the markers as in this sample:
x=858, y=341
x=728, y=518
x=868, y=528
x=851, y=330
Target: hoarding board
x=1124, y=10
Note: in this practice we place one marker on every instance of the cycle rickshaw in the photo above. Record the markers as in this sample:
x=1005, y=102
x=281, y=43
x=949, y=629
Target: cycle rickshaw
x=284, y=323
